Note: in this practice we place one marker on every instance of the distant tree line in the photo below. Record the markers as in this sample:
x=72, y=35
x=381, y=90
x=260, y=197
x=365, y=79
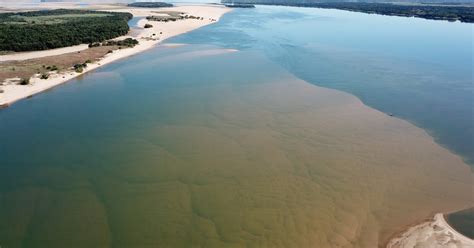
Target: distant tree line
x=173, y=18
x=74, y=30
x=240, y=5
x=426, y=11
x=150, y=4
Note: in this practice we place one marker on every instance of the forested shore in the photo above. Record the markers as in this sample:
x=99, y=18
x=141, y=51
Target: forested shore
x=41, y=30
x=427, y=11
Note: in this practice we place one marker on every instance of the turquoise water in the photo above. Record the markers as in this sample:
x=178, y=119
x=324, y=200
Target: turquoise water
x=198, y=146
x=419, y=70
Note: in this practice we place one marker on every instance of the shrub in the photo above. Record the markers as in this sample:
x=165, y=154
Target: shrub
x=52, y=68
x=94, y=44
x=44, y=75
x=25, y=81
x=79, y=68
x=128, y=42
x=148, y=25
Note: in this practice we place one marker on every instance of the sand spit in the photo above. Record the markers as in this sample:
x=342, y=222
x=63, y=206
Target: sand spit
x=148, y=38
x=431, y=234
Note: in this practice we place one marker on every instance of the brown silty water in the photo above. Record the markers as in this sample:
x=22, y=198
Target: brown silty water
x=278, y=163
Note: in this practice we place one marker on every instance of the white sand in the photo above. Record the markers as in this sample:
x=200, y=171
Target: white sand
x=436, y=233
x=210, y=13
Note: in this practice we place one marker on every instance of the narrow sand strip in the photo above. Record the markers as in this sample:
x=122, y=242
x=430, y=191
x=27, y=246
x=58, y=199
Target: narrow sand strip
x=436, y=233
x=148, y=38
x=40, y=54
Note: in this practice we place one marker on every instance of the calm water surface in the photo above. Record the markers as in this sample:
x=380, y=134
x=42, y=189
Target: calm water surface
x=419, y=70
x=199, y=146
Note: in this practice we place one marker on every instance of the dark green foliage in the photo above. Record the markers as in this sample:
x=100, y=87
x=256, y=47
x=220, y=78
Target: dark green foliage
x=151, y=4
x=128, y=42
x=435, y=12
x=52, y=68
x=164, y=18
x=148, y=25
x=17, y=36
x=240, y=5
x=24, y=81
x=79, y=68
x=94, y=44
x=44, y=75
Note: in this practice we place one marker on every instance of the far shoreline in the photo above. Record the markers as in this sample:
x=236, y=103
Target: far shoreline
x=211, y=13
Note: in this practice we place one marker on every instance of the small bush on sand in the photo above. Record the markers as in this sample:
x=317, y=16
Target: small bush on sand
x=94, y=44
x=79, y=68
x=148, y=25
x=44, y=75
x=52, y=68
x=24, y=81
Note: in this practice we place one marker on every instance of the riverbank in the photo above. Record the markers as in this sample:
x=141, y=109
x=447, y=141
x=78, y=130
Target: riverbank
x=148, y=38
x=433, y=233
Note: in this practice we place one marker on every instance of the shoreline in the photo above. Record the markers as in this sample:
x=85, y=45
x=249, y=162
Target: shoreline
x=121, y=54
x=13, y=92
x=433, y=232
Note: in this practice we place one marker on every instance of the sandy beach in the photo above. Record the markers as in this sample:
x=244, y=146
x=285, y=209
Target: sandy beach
x=435, y=233
x=147, y=38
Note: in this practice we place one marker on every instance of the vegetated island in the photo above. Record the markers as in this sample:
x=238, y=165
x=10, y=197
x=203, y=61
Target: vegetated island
x=41, y=30
x=433, y=12
x=172, y=16
x=31, y=72
x=150, y=5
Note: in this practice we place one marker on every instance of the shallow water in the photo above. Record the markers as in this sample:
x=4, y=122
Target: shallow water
x=195, y=145
x=177, y=147
x=133, y=23
x=419, y=70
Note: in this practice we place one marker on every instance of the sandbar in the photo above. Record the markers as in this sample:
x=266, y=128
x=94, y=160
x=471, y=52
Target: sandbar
x=147, y=38
x=431, y=234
